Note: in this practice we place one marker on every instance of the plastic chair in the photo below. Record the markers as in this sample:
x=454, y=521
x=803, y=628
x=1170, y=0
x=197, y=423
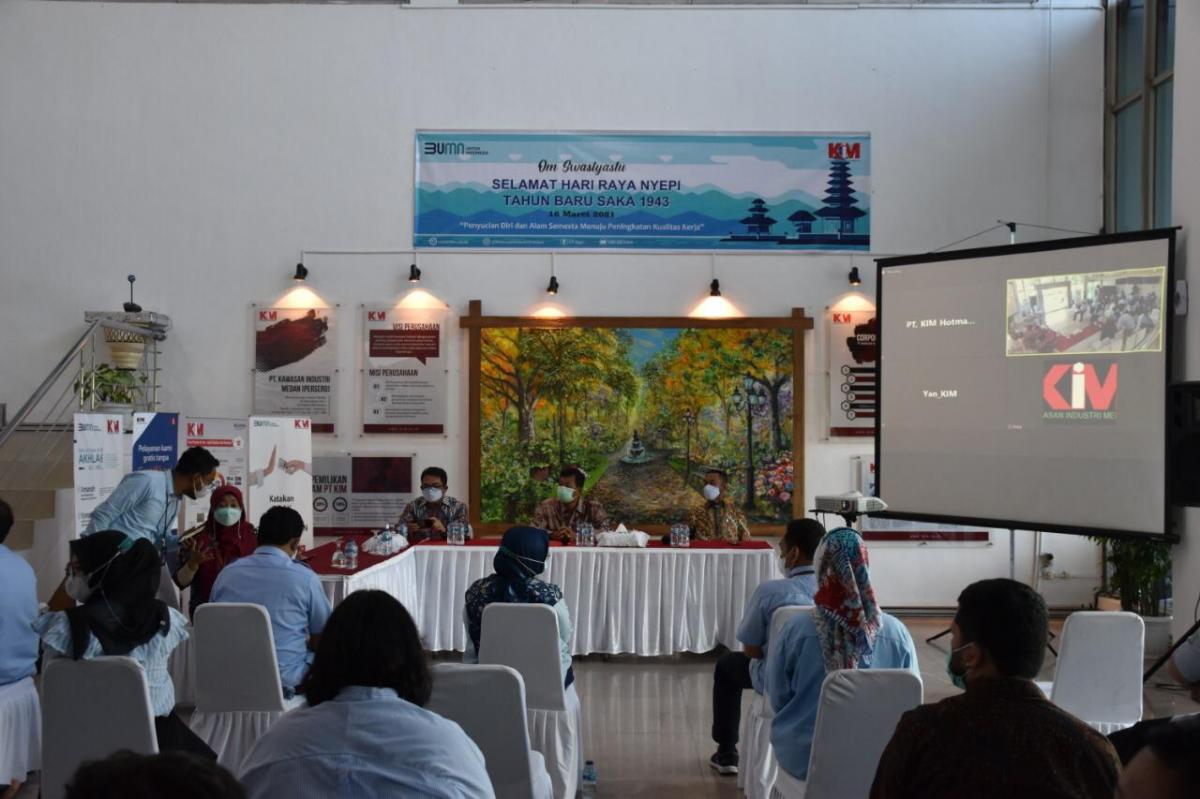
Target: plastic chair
x=238, y=693
x=857, y=715
x=20, y=731
x=1098, y=676
x=182, y=668
x=92, y=708
x=757, y=774
x=488, y=702
x=525, y=637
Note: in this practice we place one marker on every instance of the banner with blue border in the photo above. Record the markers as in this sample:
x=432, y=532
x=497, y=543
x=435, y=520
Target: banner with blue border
x=642, y=191
x=155, y=441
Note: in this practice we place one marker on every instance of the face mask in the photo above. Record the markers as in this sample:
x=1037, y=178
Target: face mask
x=711, y=492
x=565, y=493
x=959, y=680
x=77, y=587
x=432, y=493
x=227, y=517
x=201, y=492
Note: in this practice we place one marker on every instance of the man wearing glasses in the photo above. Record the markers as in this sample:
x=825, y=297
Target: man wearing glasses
x=431, y=514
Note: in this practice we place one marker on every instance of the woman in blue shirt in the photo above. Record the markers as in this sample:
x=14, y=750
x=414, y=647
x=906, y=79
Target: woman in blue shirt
x=365, y=731
x=115, y=580
x=845, y=630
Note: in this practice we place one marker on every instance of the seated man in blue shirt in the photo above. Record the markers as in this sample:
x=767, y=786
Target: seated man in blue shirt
x=738, y=671
x=18, y=609
x=845, y=630
x=290, y=592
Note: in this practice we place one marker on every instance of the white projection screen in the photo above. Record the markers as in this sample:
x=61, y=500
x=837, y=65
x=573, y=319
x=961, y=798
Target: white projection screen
x=1026, y=386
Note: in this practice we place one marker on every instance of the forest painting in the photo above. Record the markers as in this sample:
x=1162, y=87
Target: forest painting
x=644, y=411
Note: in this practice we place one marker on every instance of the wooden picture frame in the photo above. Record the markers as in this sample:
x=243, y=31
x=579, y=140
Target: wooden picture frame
x=475, y=322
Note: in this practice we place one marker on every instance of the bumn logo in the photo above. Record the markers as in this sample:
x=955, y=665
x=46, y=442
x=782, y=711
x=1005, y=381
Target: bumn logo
x=301, y=424
x=376, y=316
x=268, y=316
x=114, y=425
x=845, y=151
x=195, y=428
x=1077, y=391
x=444, y=148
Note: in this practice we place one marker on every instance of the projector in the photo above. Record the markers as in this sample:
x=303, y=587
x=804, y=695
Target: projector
x=852, y=503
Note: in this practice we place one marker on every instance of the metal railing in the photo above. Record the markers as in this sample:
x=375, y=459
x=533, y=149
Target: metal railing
x=45, y=419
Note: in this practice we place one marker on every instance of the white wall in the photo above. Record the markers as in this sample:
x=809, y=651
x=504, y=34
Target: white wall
x=203, y=146
x=1185, y=210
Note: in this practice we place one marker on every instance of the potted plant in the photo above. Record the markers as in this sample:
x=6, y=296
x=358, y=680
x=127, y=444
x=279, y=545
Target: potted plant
x=1138, y=574
x=109, y=389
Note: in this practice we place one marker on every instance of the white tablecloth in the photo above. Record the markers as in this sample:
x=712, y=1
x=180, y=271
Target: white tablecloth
x=622, y=601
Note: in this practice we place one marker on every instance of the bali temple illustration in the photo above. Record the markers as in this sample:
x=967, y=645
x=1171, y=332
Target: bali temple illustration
x=835, y=222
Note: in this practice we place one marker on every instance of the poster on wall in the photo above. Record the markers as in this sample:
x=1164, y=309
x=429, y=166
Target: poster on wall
x=286, y=444
x=226, y=440
x=155, y=441
x=295, y=363
x=862, y=472
x=404, y=379
x=642, y=191
x=98, y=462
x=359, y=494
x=853, y=344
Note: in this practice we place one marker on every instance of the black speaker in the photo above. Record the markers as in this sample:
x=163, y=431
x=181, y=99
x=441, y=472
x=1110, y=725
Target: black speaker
x=1183, y=442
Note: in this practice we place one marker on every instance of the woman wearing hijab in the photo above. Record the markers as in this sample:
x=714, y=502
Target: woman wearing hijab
x=845, y=630
x=226, y=537
x=521, y=558
x=115, y=581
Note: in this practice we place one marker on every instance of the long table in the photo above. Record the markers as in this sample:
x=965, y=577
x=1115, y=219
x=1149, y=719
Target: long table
x=652, y=601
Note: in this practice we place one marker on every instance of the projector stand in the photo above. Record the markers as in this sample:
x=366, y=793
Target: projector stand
x=1012, y=575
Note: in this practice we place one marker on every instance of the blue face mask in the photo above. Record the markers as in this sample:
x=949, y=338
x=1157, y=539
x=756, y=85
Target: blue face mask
x=959, y=680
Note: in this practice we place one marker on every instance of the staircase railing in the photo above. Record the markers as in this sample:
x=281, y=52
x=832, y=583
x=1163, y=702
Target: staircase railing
x=70, y=387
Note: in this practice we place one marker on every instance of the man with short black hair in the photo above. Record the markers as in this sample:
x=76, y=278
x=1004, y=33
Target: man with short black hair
x=1001, y=738
x=738, y=671
x=562, y=514
x=719, y=519
x=290, y=592
x=145, y=504
x=432, y=513
x=18, y=609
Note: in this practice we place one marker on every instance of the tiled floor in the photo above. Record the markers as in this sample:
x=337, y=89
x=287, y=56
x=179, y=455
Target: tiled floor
x=646, y=721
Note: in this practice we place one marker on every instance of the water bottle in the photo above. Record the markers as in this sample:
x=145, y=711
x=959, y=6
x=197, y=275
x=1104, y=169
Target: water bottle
x=585, y=535
x=685, y=536
x=456, y=534
x=677, y=534
x=587, y=782
x=338, y=561
x=352, y=555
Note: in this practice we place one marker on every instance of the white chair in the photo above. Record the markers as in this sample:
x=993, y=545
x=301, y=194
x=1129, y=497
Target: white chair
x=525, y=637
x=182, y=668
x=90, y=709
x=20, y=731
x=857, y=715
x=488, y=702
x=238, y=693
x=757, y=772
x=1098, y=676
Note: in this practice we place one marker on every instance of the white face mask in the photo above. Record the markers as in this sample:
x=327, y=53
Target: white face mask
x=711, y=492
x=77, y=587
x=432, y=493
x=565, y=493
x=202, y=492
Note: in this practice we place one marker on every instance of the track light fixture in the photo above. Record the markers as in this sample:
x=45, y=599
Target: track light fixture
x=414, y=274
x=853, y=277
x=552, y=288
x=301, y=273
x=714, y=288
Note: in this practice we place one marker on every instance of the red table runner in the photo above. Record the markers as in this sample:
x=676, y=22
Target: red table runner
x=320, y=558
x=655, y=543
